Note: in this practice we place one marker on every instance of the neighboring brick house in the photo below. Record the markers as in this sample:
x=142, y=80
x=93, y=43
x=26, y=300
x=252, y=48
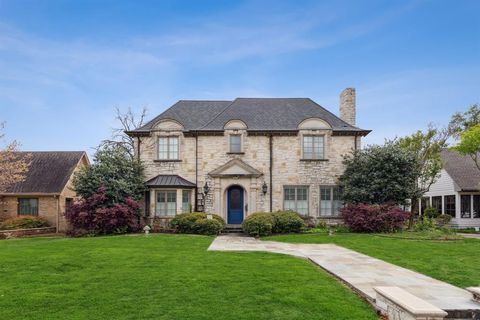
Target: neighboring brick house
x=457, y=190
x=47, y=188
x=237, y=157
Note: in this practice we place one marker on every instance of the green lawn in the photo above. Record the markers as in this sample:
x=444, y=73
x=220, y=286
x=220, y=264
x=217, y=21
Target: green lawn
x=163, y=277
x=455, y=262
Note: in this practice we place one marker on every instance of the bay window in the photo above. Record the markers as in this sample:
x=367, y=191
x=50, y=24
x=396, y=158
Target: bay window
x=166, y=203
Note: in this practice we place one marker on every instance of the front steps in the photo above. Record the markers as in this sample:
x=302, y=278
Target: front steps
x=232, y=229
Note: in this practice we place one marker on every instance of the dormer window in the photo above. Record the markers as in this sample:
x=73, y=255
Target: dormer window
x=313, y=147
x=235, y=143
x=168, y=148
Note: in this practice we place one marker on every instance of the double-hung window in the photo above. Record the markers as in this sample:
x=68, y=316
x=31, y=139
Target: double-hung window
x=330, y=201
x=450, y=207
x=186, y=202
x=235, y=143
x=27, y=206
x=166, y=203
x=296, y=199
x=168, y=148
x=313, y=147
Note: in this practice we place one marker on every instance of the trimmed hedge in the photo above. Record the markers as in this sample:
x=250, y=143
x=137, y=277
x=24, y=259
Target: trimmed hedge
x=265, y=223
x=197, y=223
x=258, y=224
x=24, y=222
x=287, y=222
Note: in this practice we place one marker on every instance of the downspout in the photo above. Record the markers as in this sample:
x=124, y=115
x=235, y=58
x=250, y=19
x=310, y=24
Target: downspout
x=271, y=171
x=196, y=171
x=138, y=148
x=58, y=213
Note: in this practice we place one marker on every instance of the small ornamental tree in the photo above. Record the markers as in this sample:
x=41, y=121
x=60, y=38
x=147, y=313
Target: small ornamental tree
x=378, y=175
x=374, y=218
x=95, y=215
x=469, y=144
x=112, y=168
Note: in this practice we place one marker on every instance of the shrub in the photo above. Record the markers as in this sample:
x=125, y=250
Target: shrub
x=258, y=224
x=309, y=222
x=424, y=224
x=208, y=226
x=197, y=222
x=286, y=222
x=374, y=218
x=24, y=222
x=444, y=219
x=431, y=212
x=95, y=216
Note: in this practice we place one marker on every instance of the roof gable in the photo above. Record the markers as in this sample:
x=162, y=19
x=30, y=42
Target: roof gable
x=235, y=167
x=461, y=169
x=49, y=171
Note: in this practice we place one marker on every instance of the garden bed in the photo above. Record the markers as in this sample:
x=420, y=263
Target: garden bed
x=428, y=235
x=26, y=232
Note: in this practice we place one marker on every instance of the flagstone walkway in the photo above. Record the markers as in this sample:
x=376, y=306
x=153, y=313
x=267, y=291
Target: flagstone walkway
x=359, y=271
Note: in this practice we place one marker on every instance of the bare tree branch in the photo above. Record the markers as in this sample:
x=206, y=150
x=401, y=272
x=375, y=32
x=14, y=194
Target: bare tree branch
x=127, y=121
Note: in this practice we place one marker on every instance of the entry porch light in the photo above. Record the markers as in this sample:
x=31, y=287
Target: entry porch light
x=264, y=188
x=206, y=188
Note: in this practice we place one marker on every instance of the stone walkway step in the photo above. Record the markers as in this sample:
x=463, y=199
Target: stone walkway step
x=363, y=273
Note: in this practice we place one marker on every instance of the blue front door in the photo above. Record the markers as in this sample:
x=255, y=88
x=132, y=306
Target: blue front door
x=235, y=205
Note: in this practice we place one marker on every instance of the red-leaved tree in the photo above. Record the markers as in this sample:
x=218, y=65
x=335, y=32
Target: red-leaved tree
x=95, y=216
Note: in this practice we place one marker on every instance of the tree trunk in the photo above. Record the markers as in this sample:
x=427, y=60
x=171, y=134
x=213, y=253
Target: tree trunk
x=413, y=212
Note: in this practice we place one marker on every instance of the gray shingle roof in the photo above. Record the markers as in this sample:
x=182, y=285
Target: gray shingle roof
x=49, y=171
x=192, y=114
x=167, y=180
x=268, y=114
x=461, y=169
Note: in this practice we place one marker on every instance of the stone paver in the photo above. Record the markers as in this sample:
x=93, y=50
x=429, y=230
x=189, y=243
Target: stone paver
x=359, y=271
x=470, y=235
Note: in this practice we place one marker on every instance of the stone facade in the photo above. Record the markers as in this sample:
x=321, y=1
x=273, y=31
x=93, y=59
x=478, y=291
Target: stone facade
x=347, y=106
x=289, y=169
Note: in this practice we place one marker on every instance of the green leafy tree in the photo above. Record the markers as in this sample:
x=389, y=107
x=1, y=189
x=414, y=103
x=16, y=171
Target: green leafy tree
x=462, y=121
x=379, y=174
x=425, y=147
x=114, y=169
x=470, y=144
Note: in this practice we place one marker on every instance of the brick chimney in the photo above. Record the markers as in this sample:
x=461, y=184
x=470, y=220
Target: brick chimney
x=347, y=106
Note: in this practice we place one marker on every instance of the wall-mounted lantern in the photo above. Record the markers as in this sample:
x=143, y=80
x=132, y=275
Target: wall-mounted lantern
x=206, y=188
x=264, y=188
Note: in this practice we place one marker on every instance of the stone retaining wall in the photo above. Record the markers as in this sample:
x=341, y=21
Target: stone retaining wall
x=26, y=232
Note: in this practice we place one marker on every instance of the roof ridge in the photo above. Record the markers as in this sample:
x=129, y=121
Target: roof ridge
x=206, y=124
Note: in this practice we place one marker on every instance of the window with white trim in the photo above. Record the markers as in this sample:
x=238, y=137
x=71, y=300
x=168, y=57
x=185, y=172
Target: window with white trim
x=168, y=148
x=235, y=143
x=166, y=203
x=186, y=201
x=313, y=147
x=296, y=199
x=330, y=201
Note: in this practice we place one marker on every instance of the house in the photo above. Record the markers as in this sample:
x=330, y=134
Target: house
x=233, y=158
x=46, y=190
x=457, y=190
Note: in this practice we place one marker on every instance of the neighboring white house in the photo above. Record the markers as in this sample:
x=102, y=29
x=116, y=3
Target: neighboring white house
x=457, y=191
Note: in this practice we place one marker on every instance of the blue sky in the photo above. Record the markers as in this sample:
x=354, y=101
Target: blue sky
x=65, y=65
